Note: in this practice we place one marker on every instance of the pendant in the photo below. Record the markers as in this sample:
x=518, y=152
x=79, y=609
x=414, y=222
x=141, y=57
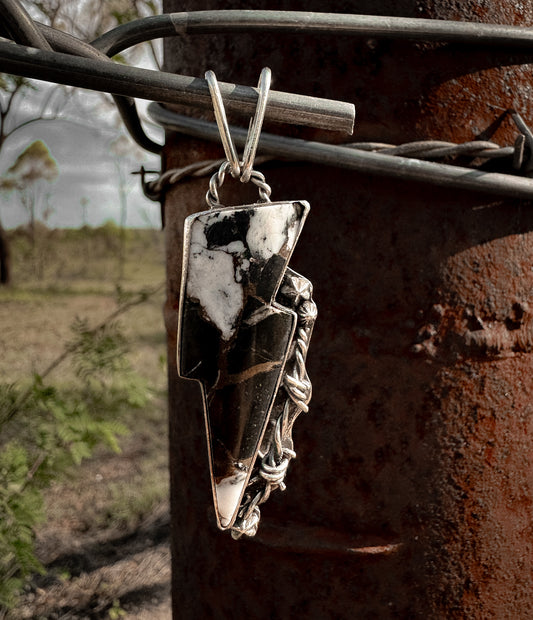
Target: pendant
x=245, y=321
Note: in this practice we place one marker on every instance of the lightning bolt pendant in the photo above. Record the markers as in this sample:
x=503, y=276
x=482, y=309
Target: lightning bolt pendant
x=244, y=324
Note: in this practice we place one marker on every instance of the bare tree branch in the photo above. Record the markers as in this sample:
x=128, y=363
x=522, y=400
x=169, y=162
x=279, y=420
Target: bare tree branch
x=5, y=112
x=154, y=54
x=39, y=117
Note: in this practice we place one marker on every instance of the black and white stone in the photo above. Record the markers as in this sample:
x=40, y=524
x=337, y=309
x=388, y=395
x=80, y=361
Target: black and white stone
x=234, y=338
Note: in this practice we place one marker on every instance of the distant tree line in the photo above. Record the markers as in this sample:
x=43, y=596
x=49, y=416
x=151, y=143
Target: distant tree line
x=85, y=20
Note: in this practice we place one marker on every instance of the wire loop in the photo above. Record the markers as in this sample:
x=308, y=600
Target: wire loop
x=216, y=181
x=252, y=139
x=242, y=170
x=222, y=122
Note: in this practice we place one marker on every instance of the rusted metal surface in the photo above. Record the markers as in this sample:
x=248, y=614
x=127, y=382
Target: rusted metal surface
x=411, y=496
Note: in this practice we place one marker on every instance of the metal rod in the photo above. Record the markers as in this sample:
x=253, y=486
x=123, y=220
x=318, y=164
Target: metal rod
x=120, y=79
x=200, y=22
x=68, y=44
x=408, y=169
x=210, y=22
x=21, y=26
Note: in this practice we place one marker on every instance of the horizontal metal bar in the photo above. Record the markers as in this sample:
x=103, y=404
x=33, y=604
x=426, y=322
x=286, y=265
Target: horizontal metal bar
x=120, y=79
x=18, y=22
x=68, y=44
x=408, y=169
x=303, y=22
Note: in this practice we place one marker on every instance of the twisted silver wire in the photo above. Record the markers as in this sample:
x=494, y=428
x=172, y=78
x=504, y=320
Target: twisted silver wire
x=274, y=464
x=217, y=180
x=215, y=183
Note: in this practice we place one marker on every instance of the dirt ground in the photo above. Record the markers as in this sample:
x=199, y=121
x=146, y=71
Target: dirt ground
x=93, y=573
x=105, y=544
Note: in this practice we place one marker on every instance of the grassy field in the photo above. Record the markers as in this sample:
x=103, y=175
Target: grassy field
x=105, y=539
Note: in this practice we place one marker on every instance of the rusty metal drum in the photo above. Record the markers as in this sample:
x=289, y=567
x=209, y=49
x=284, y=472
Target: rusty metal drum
x=411, y=494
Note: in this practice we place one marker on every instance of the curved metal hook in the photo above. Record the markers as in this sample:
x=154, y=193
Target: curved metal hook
x=222, y=122
x=252, y=140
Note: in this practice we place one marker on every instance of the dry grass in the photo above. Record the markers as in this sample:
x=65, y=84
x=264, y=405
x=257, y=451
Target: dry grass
x=106, y=539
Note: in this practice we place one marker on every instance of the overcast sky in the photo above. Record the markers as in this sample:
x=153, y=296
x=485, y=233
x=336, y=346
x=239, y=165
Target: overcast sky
x=87, y=169
x=87, y=166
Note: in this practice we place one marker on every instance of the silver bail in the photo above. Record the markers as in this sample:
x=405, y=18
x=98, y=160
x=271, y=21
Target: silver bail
x=252, y=139
x=242, y=170
x=222, y=122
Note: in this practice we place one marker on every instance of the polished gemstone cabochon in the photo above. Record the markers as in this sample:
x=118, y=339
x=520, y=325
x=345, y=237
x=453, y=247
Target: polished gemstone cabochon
x=233, y=336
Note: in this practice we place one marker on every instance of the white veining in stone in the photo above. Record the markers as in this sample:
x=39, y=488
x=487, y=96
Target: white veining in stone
x=212, y=278
x=235, y=247
x=268, y=230
x=228, y=493
x=215, y=274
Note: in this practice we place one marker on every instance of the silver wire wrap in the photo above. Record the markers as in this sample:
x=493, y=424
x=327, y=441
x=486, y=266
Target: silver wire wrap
x=293, y=399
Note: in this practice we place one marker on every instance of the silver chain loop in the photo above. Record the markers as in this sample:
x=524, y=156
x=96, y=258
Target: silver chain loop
x=216, y=181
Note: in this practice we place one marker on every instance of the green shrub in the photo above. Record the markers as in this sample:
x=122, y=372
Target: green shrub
x=46, y=428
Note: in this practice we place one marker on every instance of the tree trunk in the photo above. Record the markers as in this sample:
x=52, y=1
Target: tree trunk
x=5, y=258
x=411, y=493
